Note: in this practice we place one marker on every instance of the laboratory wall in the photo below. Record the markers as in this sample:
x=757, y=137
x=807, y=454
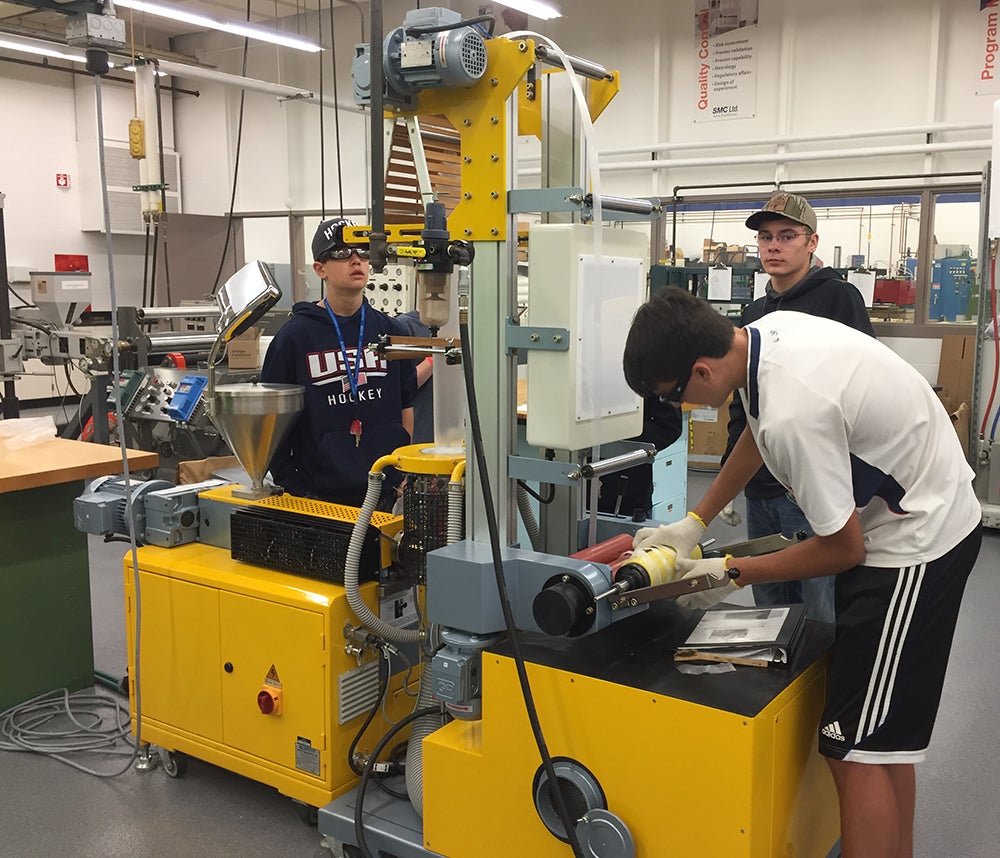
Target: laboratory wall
x=832, y=72
x=45, y=166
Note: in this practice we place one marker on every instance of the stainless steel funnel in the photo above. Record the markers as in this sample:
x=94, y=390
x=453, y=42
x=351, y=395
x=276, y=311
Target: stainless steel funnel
x=254, y=418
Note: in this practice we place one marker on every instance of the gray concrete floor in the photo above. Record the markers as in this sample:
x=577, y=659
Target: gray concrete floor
x=46, y=808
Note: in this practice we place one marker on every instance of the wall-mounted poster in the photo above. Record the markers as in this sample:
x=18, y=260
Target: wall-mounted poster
x=989, y=73
x=726, y=61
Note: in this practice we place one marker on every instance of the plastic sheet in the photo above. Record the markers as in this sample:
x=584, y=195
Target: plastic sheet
x=24, y=431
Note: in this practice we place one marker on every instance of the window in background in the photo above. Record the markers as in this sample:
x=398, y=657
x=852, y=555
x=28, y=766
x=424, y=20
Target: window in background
x=873, y=240
x=953, y=294
x=913, y=251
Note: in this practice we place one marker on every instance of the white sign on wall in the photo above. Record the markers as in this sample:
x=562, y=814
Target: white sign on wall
x=989, y=72
x=725, y=59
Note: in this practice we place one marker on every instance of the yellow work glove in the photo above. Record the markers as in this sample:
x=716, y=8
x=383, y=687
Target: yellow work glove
x=682, y=536
x=718, y=575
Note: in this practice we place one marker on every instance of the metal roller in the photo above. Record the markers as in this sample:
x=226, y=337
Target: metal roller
x=179, y=342
x=587, y=68
x=616, y=463
x=625, y=204
x=148, y=313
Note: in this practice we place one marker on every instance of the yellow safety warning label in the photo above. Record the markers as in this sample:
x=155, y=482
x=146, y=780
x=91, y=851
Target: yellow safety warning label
x=272, y=677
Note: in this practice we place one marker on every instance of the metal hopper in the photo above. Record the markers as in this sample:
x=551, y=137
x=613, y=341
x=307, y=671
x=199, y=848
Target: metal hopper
x=254, y=419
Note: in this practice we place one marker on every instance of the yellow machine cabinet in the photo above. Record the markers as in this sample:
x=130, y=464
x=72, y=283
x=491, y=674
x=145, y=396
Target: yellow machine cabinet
x=696, y=766
x=246, y=668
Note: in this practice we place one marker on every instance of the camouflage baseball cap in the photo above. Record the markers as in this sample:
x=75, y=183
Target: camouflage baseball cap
x=791, y=206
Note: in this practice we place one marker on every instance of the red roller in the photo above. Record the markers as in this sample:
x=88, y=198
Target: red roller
x=607, y=551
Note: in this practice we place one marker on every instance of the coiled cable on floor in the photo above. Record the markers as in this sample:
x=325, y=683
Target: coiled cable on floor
x=49, y=725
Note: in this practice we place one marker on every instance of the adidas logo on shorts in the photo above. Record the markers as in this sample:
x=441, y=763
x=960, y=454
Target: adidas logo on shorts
x=832, y=731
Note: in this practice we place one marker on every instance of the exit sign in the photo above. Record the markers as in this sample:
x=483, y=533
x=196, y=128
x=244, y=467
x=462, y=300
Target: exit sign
x=62, y=180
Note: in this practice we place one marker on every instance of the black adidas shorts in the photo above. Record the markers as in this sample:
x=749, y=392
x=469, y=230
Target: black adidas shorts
x=887, y=666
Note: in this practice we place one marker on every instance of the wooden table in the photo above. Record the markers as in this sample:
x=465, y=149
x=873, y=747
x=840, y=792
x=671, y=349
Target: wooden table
x=46, y=639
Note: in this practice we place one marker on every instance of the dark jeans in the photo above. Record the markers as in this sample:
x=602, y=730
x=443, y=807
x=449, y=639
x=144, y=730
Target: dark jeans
x=768, y=516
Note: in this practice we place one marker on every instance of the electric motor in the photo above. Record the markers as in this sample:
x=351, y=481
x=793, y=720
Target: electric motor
x=432, y=50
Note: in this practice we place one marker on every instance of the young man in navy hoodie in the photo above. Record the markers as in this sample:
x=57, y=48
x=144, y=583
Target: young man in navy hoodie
x=358, y=406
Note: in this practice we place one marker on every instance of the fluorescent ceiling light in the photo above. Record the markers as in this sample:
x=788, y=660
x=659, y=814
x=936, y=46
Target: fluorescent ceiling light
x=30, y=46
x=237, y=28
x=535, y=8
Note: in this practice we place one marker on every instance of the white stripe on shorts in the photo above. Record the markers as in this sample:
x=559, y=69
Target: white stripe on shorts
x=897, y=624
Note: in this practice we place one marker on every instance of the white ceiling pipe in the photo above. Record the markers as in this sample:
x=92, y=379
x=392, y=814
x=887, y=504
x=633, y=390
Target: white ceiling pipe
x=789, y=140
x=278, y=90
x=14, y=42
x=788, y=157
x=10, y=41
x=777, y=158
x=801, y=138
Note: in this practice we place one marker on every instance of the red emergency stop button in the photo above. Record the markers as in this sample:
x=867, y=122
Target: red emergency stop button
x=269, y=701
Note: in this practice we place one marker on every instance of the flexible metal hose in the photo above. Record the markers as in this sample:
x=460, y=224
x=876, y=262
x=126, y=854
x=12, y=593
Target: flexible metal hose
x=528, y=517
x=422, y=728
x=353, y=560
x=456, y=504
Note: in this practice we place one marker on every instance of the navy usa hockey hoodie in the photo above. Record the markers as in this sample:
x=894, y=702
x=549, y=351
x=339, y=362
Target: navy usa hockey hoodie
x=320, y=457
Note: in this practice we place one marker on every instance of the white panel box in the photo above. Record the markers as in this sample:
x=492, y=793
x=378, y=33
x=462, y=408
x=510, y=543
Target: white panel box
x=578, y=398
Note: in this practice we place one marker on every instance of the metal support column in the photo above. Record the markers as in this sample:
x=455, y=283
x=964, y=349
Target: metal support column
x=10, y=408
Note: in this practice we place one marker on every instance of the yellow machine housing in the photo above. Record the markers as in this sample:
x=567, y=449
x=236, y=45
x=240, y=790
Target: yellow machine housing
x=689, y=779
x=218, y=634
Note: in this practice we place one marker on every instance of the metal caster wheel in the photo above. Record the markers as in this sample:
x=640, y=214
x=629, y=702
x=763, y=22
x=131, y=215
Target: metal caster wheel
x=175, y=763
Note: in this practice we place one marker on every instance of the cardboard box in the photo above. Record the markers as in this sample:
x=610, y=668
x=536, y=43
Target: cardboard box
x=956, y=368
x=708, y=433
x=244, y=351
x=710, y=250
x=199, y=470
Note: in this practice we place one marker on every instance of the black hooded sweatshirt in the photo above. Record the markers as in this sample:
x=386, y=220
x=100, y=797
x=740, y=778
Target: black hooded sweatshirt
x=821, y=292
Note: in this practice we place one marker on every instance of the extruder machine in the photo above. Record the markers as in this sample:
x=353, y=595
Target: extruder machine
x=535, y=659
x=420, y=683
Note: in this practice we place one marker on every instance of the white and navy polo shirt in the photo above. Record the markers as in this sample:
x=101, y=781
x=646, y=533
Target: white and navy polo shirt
x=846, y=424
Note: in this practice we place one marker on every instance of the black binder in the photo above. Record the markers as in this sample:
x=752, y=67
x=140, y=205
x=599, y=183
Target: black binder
x=756, y=636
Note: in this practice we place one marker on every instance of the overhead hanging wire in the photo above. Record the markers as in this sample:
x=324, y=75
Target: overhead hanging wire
x=322, y=119
x=163, y=178
x=336, y=113
x=236, y=169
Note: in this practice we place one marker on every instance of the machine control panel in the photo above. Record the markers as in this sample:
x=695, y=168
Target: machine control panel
x=154, y=400
x=186, y=397
x=394, y=290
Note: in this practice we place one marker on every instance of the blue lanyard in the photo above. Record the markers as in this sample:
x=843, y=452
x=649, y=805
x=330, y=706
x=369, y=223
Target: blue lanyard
x=352, y=374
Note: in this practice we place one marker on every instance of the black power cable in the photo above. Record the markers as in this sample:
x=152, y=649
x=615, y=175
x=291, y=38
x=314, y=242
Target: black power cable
x=359, y=828
x=558, y=799
x=466, y=22
x=383, y=679
x=19, y=298
x=545, y=500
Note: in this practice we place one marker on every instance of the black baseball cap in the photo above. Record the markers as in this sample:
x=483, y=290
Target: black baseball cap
x=329, y=236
